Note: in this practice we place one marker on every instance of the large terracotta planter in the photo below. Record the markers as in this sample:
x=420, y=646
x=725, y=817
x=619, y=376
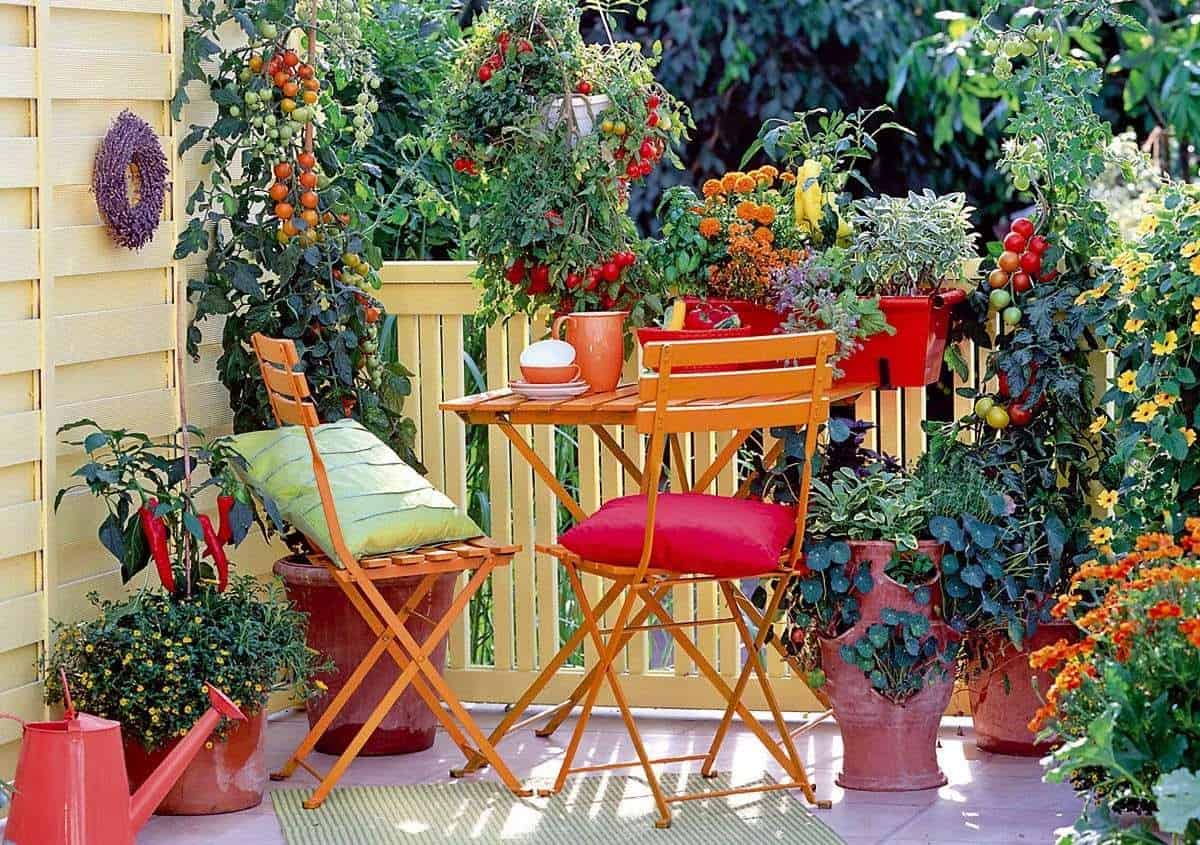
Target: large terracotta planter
x=887, y=592
x=886, y=747
x=336, y=631
x=229, y=776
x=1006, y=692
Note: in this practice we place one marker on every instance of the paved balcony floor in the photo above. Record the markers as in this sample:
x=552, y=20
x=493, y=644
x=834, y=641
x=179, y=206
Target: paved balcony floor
x=989, y=799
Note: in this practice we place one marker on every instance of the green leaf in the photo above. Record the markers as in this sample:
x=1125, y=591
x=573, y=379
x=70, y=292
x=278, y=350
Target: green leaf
x=1178, y=797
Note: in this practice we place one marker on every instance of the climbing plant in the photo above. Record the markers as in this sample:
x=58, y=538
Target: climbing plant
x=284, y=216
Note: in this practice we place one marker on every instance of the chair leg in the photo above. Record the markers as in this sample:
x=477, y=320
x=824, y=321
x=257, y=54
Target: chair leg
x=607, y=652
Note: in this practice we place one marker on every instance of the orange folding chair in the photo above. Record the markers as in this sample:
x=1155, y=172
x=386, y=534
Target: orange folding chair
x=292, y=404
x=648, y=543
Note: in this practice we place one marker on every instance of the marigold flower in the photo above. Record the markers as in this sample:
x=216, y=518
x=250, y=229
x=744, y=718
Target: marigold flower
x=1164, y=610
x=710, y=227
x=1101, y=535
x=746, y=210
x=766, y=215
x=787, y=177
x=1191, y=629
x=1127, y=382
x=712, y=188
x=745, y=184
x=729, y=181
x=764, y=235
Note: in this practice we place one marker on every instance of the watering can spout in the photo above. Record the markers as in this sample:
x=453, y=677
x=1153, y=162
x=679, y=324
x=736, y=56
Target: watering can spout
x=152, y=792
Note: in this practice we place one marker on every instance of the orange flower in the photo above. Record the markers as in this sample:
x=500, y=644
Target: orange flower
x=1191, y=630
x=1157, y=546
x=1065, y=602
x=746, y=210
x=766, y=215
x=764, y=235
x=1165, y=610
x=729, y=181
x=745, y=184
x=788, y=178
x=712, y=188
x=710, y=227
x=769, y=171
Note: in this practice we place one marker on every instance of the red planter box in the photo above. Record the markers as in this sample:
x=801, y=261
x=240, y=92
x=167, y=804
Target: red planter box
x=912, y=357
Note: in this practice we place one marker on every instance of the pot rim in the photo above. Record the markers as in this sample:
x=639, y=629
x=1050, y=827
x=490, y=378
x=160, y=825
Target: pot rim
x=934, y=579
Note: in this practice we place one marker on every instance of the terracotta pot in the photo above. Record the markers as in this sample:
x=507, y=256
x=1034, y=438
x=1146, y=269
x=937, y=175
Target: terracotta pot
x=1006, y=692
x=599, y=341
x=886, y=747
x=887, y=592
x=337, y=631
x=228, y=777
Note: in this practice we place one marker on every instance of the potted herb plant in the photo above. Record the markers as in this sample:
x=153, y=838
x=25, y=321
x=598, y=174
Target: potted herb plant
x=143, y=660
x=871, y=593
x=549, y=184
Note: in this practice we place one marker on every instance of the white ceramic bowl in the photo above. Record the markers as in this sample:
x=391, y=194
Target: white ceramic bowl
x=548, y=353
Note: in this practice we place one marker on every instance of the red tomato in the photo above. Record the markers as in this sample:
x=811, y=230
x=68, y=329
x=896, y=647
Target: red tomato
x=593, y=278
x=997, y=279
x=647, y=149
x=485, y=74
x=633, y=170
x=306, y=160
x=1021, y=282
x=584, y=87
x=653, y=101
x=1019, y=415
x=279, y=192
x=1009, y=262
x=1038, y=244
x=539, y=277
x=645, y=168
x=652, y=120
x=610, y=271
x=1031, y=263
x=1015, y=242
x=291, y=59
x=516, y=273
x=573, y=280
x=308, y=179
x=1023, y=226
x=524, y=46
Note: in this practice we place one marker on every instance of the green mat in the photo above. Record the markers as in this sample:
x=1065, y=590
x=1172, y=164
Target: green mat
x=600, y=810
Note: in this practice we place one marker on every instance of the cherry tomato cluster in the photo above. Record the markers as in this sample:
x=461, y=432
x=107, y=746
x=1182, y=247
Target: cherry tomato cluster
x=296, y=81
x=462, y=164
x=495, y=61
x=298, y=182
x=1018, y=267
x=1003, y=411
x=644, y=157
x=534, y=277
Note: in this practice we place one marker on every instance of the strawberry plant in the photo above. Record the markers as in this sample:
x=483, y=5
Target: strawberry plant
x=549, y=134
x=282, y=220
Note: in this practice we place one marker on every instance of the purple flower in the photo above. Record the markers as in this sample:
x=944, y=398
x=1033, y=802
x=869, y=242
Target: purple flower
x=130, y=144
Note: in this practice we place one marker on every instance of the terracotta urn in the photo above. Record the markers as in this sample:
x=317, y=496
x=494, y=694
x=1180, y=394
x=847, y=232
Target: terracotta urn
x=887, y=592
x=1006, y=692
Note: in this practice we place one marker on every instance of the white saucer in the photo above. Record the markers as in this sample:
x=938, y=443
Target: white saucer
x=566, y=390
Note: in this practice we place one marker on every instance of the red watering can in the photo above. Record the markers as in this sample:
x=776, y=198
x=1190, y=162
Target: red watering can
x=71, y=787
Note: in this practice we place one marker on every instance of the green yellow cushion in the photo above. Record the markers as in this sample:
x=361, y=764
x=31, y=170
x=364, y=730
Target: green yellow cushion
x=382, y=503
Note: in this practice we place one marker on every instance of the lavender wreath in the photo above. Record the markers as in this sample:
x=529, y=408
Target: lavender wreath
x=130, y=142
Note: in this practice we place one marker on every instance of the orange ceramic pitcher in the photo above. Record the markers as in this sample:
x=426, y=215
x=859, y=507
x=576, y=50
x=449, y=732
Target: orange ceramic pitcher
x=599, y=341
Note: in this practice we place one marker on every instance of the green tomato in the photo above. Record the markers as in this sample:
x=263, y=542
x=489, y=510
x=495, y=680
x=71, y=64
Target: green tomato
x=1012, y=49
x=267, y=29
x=270, y=120
x=300, y=115
x=251, y=98
x=983, y=405
x=1011, y=315
x=997, y=418
x=245, y=75
x=1020, y=182
x=999, y=299
x=234, y=111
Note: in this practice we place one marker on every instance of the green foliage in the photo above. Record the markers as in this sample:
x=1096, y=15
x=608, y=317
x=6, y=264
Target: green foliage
x=549, y=194
x=825, y=601
x=144, y=660
x=872, y=505
x=299, y=274
x=422, y=212
x=901, y=655
x=1148, y=296
x=126, y=470
x=903, y=246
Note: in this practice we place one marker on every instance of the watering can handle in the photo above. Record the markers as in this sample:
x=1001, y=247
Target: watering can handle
x=14, y=717
x=70, y=707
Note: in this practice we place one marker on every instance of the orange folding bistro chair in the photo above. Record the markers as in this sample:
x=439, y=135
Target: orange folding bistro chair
x=648, y=543
x=292, y=404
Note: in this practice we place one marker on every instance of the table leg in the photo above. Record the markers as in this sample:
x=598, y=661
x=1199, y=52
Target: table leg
x=544, y=472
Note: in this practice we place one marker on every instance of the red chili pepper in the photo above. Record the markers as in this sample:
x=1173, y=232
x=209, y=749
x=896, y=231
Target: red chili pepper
x=224, y=508
x=216, y=552
x=155, y=531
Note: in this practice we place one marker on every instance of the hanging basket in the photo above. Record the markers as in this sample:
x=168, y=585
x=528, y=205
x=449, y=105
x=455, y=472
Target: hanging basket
x=130, y=145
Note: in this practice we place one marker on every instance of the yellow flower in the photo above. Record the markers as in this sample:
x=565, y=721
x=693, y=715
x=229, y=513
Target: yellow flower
x=1098, y=425
x=1189, y=435
x=1094, y=293
x=1127, y=382
x=1195, y=327
x=1132, y=325
x=1190, y=249
x=1145, y=412
x=1167, y=345
x=1194, y=265
x=1196, y=303
x=1164, y=399
x=321, y=685
x=1106, y=499
x=1147, y=224
x=1129, y=286
x=1101, y=535
x=89, y=648
x=198, y=620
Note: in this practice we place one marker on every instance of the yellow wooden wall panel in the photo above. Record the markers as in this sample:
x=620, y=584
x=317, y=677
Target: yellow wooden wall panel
x=20, y=250
x=88, y=249
x=24, y=702
x=128, y=32
x=106, y=334
x=19, y=339
x=20, y=529
x=147, y=6
x=18, y=162
x=71, y=159
x=22, y=621
x=18, y=70
x=20, y=437
x=135, y=76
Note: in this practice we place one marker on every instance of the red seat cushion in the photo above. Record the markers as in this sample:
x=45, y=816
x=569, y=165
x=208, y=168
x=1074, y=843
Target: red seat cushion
x=693, y=533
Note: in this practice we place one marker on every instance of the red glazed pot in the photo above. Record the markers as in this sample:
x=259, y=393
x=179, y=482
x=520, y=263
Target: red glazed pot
x=336, y=631
x=228, y=777
x=886, y=747
x=1004, y=696
x=912, y=357
x=887, y=592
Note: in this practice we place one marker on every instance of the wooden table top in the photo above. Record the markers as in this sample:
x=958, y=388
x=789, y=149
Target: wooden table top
x=616, y=407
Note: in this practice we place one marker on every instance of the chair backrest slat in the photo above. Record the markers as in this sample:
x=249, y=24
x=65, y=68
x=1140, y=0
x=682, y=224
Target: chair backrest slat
x=735, y=351
x=732, y=384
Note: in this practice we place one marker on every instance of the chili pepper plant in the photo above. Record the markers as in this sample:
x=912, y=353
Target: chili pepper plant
x=151, y=494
